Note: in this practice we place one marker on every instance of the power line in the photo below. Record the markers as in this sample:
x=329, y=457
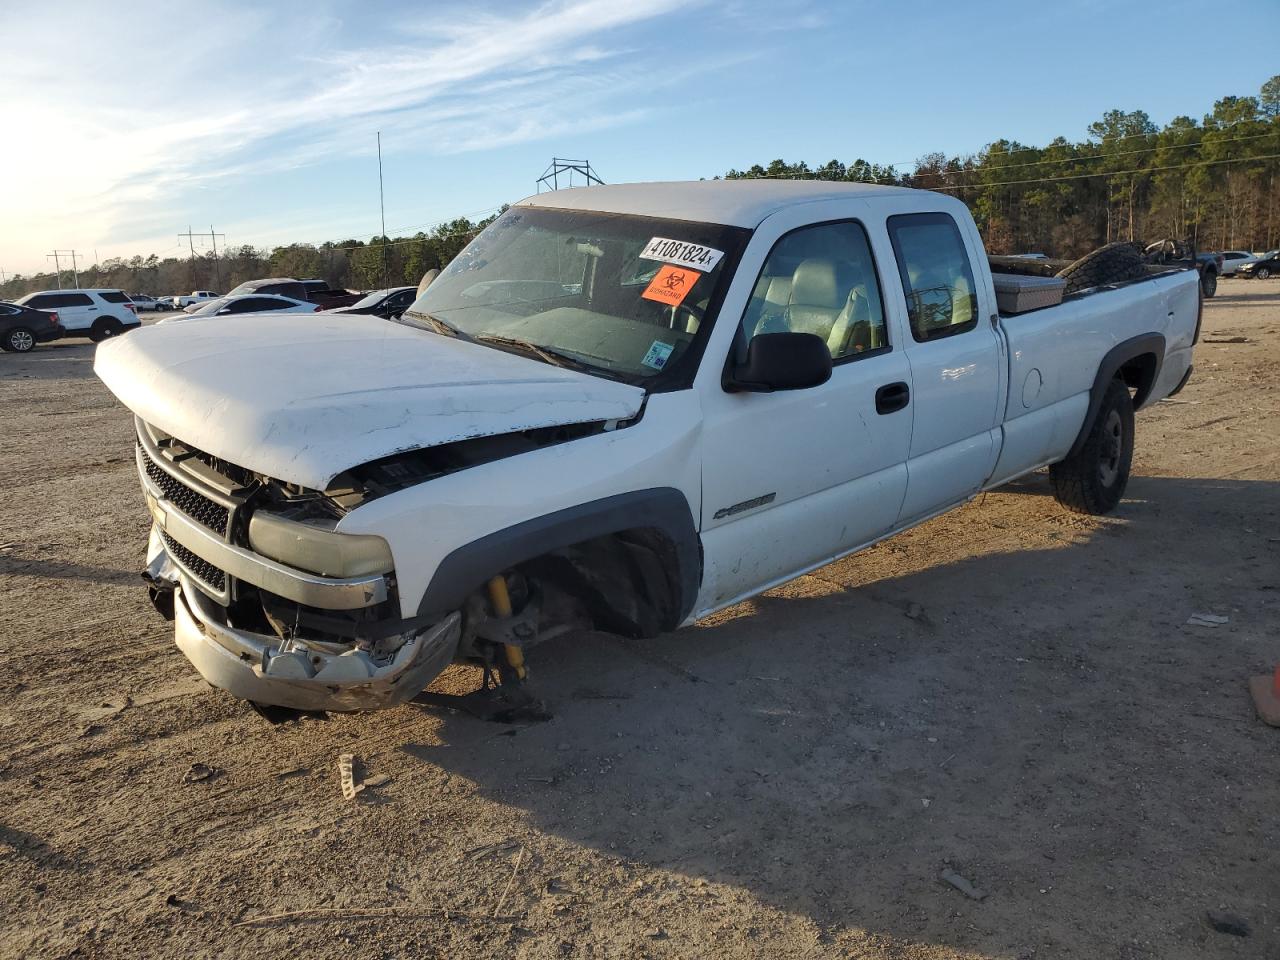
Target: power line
x=1113, y=173
x=1125, y=153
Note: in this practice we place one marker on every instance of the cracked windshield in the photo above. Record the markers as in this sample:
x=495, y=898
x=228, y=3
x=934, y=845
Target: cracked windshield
x=621, y=296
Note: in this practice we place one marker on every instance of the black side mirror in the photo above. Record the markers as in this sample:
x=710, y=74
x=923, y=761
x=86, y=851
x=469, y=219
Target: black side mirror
x=782, y=361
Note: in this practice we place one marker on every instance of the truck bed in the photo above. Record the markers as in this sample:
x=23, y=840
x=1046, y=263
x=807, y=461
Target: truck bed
x=1055, y=354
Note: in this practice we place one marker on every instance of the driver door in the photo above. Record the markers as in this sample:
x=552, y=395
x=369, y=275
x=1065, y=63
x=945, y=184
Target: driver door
x=792, y=479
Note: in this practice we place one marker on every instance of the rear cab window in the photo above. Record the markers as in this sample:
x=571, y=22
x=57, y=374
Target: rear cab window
x=937, y=277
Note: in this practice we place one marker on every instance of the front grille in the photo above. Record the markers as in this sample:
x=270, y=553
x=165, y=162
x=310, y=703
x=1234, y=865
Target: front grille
x=202, y=570
x=192, y=503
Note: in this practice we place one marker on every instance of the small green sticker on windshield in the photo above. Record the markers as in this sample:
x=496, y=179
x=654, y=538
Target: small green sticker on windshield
x=658, y=355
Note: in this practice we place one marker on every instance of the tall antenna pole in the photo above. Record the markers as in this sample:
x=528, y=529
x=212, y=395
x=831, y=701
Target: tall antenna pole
x=217, y=267
x=382, y=204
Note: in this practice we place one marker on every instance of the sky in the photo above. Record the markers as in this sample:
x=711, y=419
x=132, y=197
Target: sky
x=127, y=122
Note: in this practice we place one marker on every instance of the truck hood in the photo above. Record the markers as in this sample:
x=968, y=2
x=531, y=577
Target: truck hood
x=303, y=397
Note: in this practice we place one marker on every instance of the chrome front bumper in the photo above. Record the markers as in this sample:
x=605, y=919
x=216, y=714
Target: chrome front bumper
x=253, y=666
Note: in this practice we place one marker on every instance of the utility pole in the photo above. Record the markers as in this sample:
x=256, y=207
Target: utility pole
x=382, y=204
x=217, y=268
x=57, y=266
x=192, y=247
x=74, y=269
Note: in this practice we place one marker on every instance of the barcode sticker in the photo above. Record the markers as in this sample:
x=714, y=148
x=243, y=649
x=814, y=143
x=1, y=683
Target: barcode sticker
x=692, y=255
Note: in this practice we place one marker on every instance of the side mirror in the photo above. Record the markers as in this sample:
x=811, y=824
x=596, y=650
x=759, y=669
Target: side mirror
x=782, y=361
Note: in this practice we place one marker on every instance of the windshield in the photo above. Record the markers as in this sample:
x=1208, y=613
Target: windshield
x=371, y=299
x=625, y=296
x=211, y=306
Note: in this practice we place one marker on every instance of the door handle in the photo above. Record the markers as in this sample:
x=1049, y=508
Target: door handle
x=892, y=397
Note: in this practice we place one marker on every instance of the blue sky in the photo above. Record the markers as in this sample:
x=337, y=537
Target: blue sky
x=140, y=118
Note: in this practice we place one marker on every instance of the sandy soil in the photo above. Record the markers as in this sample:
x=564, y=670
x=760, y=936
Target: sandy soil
x=1010, y=692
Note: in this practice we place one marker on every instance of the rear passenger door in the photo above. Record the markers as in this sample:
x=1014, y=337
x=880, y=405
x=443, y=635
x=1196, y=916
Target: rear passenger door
x=796, y=477
x=957, y=363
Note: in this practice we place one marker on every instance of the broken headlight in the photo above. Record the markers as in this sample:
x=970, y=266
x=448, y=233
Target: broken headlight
x=318, y=549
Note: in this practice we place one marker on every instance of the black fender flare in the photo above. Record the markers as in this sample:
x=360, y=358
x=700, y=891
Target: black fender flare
x=666, y=509
x=1112, y=361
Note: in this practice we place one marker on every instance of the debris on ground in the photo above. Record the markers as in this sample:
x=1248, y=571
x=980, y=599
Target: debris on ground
x=915, y=611
x=1265, y=689
x=1207, y=620
x=1226, y=340
x=960, y=883
x=1229, y=923
x=199, y=772
x=346, y=774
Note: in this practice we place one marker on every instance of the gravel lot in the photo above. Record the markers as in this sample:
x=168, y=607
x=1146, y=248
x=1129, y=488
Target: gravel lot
x=1010, y=692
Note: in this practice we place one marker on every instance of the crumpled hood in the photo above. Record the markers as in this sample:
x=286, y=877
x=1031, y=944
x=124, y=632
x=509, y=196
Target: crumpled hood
x=302, y=397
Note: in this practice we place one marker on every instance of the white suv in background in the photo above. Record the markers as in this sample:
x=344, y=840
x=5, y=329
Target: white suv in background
x=96, y=314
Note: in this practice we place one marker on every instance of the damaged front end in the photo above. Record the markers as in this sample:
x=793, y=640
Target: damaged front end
x=270, y=602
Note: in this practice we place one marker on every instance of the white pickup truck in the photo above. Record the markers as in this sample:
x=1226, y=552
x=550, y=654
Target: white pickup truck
x=624, y=407
x=183, y=300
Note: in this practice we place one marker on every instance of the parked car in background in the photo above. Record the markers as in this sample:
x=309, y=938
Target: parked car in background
x=320, y=292
x=21, y=328
x=1233, y=260
x=252, y=303
x=195, y=296
x=96, y=314
x=1265, y=266
x=1173, y=253
x=388, y=304
x=316, y=291
x=145, y=301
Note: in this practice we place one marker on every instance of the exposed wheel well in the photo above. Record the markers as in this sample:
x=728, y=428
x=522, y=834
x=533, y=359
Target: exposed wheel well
x=626, y=582
x=1139, y=375
x=632, y=562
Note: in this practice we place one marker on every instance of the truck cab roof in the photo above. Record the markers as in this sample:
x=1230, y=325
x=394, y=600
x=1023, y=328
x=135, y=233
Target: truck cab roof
x=738, y=203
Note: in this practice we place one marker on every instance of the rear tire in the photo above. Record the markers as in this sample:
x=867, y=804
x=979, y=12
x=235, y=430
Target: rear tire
x=104, y=328
x=1263, y=273
x=1209, y=284
x=19, y=340
x=1093, y=481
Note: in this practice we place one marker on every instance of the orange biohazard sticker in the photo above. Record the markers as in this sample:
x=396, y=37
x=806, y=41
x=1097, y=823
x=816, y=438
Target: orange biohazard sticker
x=671, y=285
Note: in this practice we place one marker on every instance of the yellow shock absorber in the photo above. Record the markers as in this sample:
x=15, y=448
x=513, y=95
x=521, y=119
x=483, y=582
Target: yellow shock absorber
x=501, y=600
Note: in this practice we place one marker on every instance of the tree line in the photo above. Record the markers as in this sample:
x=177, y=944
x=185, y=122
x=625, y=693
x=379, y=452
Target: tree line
x=1215, y=182
x=354, y=264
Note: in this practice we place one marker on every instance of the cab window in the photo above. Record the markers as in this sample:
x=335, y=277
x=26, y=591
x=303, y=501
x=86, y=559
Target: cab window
x=936, y=276
x=821, y=280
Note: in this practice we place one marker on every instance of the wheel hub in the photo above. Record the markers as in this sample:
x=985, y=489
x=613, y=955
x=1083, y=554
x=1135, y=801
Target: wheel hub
x=1110, y=448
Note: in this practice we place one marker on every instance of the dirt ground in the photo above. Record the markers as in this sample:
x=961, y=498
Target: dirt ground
x=1010, y=692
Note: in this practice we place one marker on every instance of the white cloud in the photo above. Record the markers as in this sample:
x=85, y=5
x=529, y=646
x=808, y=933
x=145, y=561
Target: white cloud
x=141, y=102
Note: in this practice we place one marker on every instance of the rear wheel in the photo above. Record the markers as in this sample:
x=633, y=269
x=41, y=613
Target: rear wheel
x=104, y=328
x=19, y=340
x=1209, y=284
x=1093, y=481
x=1262, y=273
